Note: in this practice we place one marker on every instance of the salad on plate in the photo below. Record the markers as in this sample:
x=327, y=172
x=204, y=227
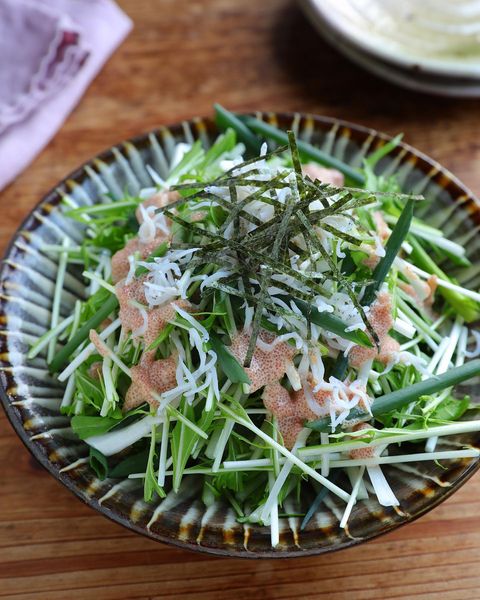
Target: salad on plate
x=265, y=319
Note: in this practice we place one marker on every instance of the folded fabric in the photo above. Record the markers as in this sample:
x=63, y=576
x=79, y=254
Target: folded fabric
x=50, y=50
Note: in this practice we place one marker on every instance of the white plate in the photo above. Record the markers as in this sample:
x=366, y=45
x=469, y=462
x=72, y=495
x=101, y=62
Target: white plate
x=436, y=36
x=410, y=78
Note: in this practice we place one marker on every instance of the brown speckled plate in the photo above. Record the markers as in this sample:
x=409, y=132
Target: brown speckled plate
x=31, y=396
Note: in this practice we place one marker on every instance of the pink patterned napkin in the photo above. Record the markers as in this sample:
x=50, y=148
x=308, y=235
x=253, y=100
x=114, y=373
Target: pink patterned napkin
x=50, y=50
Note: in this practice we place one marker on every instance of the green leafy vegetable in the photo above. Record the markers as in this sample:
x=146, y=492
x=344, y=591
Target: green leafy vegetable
x=451, y=409
x=98, y=462
x=85, y=426
x=136, y=463
x=183, y=439
x=228, y=363
x=150, y=485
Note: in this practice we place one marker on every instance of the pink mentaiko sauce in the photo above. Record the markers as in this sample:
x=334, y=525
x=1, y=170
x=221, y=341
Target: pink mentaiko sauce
x=159, y=200
x=291, y=409
x=381, y=320
x=423, y=292
x=120, y=264
x=383, y=231
x=323, y=174
x=367, y=452
x=130, y=316
x=98, y=343
x=157, y=317
x=95, y=369
x=150, y=374
x=265, y=367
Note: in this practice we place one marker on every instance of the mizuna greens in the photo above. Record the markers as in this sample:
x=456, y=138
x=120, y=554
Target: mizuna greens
x=263, y=319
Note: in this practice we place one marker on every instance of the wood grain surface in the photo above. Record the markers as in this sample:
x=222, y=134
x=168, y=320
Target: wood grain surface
x=181, y=57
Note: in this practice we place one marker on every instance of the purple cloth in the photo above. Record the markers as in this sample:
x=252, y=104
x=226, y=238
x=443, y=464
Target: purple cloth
x=50, y=50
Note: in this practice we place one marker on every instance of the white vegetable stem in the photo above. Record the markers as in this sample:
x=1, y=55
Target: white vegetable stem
x=57, y=298
x=353, y=498
x=69, y=390
x=282, y=477
x=296, y=461
x=115, y=441
x=274, y=526
x=88, y=350
x=405, y=458
x=384, y=492
x=435, y=236
x=48, y=336
x=163, y=452
x=443, y=366
x=453, y=429
x=224, y=436
x=441, y=282
x=324, y=439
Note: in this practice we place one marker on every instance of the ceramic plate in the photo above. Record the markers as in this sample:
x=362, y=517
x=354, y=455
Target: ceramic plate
x=411, y=78
x=436, y=36
x=31, y=396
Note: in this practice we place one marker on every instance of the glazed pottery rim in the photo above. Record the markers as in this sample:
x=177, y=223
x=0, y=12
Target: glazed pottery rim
x=219, y=550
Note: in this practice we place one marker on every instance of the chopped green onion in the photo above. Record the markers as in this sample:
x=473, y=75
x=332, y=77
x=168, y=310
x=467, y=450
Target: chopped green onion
x=340, y=367
x=392, y=248
x=306, y=150
x=226, y=119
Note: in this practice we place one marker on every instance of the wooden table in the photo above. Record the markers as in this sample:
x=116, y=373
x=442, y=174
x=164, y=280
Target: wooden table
x=182, y=56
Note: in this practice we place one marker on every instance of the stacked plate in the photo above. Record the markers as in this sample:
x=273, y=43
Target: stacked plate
x=425, y=45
